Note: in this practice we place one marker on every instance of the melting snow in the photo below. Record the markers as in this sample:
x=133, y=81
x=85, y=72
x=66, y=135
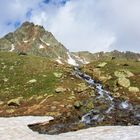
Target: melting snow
x=83, y=61
x=59, y=61
x=16, y=128
x=12, y=48
x=71, y=61
x=45, y=42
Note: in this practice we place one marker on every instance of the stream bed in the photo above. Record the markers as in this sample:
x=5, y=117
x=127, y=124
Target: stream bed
x=106, y=111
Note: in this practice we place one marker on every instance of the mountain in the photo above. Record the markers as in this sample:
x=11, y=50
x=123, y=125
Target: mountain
x=35, y=40
x=89, y=57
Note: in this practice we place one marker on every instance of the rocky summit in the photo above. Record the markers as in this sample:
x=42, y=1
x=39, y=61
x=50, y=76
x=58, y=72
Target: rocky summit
x=31, y=39
x=39, y=76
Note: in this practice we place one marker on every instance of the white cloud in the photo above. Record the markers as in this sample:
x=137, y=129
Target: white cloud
x=94, y=25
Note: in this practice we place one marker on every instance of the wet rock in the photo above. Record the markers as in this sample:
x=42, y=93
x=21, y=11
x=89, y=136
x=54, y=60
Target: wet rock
x=124, y=82
x=78, y=104
x=125, y=105
x=15, y=102
x=101, y=65
x=123, y=73
x=134, y=89
x=60, y=89
x=116, y=95
x=58, y=75
x=89, y=105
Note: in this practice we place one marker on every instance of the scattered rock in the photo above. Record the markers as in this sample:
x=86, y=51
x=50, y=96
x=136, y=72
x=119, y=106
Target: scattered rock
x=124, y=82
x=123, y=73
x=78, y=104
x=5, y=79
x=82, y=87
x=15, y=102
x=32, y=81
x=39, y=97
x=71, y=97
x=125, y=64
x=104, y=78
x=116, y=94
x=10, y=110
x=90, y=105
x=57, y=75
x=53, y=108
x=134, y=89
x=96, y=72
x=1, y=102
x=60, y=89
x=69, y=106
x=101, y=65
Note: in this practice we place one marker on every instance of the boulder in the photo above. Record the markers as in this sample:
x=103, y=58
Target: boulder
x=82, y=87
x=60, y=89
x=124, y=82
x=57, y=75
x=32, y=81
x=15, y=102
x=123, y=73
x=134, y=89
x=78, y=104
x=104, y=78
x=101, y=65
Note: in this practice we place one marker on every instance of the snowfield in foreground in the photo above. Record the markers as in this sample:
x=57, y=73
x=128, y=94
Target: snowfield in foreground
x=16, y=128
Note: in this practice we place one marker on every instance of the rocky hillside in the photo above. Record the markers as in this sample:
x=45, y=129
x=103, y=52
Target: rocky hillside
x=33, y=85
x=35, y=40
x=89, y=57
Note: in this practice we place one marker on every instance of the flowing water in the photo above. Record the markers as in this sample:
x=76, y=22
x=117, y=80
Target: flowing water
x=106, y=111
x=98, y=115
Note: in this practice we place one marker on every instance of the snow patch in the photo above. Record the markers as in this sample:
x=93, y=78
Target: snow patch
x=71, y=61
x=41, y=47
x=59, y=61
x=45, y=42
x=16, y=128
x=12, y=48
x=82, y=60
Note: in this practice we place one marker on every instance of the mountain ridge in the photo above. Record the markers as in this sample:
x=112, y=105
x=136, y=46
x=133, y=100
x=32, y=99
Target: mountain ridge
x=35, y=40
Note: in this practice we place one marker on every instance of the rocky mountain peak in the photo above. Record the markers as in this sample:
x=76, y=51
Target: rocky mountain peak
x=33, y=39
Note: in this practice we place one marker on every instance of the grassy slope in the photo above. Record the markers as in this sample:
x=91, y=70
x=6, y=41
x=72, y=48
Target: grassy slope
x=110, y=68
x=17, y=71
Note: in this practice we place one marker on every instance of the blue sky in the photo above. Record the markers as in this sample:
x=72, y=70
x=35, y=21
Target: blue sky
x=93, y=25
